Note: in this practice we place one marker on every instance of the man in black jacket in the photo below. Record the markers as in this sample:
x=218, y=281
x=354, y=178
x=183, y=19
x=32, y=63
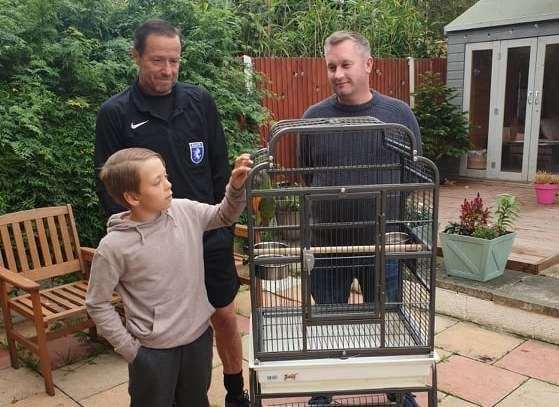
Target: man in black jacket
x=179, y=121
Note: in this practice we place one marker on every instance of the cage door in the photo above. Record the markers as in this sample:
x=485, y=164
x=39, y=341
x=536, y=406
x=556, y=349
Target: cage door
x=340, y=255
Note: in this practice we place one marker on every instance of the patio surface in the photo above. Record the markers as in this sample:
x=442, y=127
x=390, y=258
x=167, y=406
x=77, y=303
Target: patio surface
x=479, y=367
x=536, y=246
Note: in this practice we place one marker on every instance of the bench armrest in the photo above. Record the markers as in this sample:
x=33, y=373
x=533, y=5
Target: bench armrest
x=87, y=253
x=7, y=276
x=241, y=231
x=87, y=256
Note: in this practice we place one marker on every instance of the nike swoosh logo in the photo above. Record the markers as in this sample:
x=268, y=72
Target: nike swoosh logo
x=135, y=126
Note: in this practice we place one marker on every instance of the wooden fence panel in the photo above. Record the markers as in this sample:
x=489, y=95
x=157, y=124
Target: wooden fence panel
x=295, y=84
x=391, y=77
x=422, y=65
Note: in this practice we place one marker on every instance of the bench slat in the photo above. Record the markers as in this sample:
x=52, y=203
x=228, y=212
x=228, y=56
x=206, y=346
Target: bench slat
x=54, y=240
x=7, y=243
x=32, y=245
x=77, y=301
x=51, y=306
x=59, y=300
x=21, y=308
x=76, y=291
x=66, y=238
x=22, y=256
x=25, y=300
x=44, y=242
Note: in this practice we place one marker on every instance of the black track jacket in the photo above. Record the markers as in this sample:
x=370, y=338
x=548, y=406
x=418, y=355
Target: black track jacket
x=191, y=141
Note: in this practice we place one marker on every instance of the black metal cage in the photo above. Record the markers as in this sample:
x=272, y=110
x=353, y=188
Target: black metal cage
x=342, y=241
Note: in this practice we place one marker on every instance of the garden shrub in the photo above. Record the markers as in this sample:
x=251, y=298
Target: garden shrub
x=60, y=59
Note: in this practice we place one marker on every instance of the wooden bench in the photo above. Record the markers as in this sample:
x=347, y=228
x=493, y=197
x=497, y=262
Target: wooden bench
x=35, y=246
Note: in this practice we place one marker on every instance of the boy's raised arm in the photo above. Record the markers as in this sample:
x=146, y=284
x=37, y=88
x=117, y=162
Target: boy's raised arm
x=228, y=210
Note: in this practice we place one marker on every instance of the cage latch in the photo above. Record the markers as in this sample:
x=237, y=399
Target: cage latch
x=308, y=259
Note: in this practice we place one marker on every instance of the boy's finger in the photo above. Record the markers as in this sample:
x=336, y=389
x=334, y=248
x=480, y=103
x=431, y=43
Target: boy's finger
x=240, y=171
x=243, y=158
x=245, y=163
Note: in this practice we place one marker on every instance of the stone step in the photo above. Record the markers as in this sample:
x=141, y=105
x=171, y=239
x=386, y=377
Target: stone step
x=515, y=302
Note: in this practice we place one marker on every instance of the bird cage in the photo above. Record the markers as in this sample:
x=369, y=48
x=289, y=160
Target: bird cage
x=342, y=218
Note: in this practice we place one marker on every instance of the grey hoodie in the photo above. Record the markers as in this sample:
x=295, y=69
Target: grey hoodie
x=157, y=268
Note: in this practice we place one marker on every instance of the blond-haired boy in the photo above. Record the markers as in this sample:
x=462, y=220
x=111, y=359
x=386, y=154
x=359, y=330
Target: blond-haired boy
x=152, y=256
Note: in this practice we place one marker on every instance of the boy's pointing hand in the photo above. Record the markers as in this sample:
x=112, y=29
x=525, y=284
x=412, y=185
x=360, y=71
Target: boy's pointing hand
x=243, y=164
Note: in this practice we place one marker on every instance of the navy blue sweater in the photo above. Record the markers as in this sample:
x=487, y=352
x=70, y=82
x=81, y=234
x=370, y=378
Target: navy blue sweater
x=354, y=148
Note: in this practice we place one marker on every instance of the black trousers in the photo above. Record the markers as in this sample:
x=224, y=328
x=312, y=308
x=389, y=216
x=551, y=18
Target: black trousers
x=178, y=376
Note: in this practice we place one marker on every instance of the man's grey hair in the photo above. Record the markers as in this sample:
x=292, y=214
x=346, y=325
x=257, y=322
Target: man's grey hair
x=339, y=36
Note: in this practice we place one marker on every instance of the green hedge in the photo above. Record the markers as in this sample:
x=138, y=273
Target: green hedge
x=60, y=59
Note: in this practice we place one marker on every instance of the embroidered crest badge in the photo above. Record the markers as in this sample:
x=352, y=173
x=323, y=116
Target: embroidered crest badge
x=196, y=152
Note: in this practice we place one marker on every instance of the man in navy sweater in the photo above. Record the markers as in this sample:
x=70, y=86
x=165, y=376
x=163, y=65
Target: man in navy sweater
x=349, y=64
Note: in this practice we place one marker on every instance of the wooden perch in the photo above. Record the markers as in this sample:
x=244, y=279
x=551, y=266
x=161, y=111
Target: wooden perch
x=294, y=251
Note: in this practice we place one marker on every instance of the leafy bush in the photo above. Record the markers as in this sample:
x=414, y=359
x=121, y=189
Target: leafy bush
x=60, y=59
x=444, y=128
x=441, y=12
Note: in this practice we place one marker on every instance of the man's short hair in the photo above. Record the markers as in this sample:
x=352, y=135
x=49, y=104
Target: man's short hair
x=340, y=36
x=154, y=26
x=121, y=172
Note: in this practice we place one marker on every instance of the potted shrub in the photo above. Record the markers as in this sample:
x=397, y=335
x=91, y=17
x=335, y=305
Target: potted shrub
x=419, y=220
x=546, y=186
x=444, y=127
x=287, y=214
x=475, y=248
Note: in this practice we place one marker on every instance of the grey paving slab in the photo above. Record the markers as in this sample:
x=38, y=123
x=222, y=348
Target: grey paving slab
x=552, y=271
x=114, y=397
x=84, y=379
x=533, y=393
x=443, y=355
x=443, y=322
x=534, y=293
x=451, y=401
x=19, y=384
x=44, y=400
x=476, y=342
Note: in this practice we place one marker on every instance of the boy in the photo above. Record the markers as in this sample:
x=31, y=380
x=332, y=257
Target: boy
x=167, y=340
